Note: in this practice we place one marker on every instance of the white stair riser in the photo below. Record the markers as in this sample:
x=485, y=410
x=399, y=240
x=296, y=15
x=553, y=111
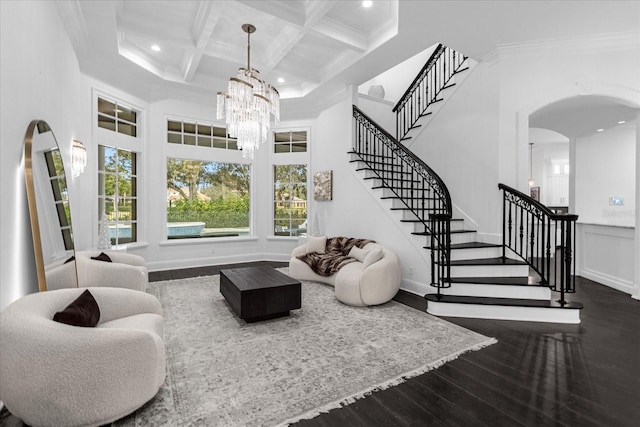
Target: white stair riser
x=388, y=192
x=371, y=174
x=498, y=291
x=361, y=164
x=455, y=226
x=489, y=270
x=455, y=237
x=499, y=312
x=475, y=253
x=462, y=237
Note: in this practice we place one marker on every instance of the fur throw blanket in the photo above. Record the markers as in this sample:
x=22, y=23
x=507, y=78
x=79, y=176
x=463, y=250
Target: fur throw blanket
x=335, y=257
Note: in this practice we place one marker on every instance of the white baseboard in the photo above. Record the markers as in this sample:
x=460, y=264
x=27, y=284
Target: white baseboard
x=607, y=280
x=417, y=288
x=528, y=314
x=218, y=260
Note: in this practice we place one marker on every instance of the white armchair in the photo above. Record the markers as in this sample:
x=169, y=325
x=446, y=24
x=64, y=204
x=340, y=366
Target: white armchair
x=356, y=283
x=55, y=374
x=125, y=271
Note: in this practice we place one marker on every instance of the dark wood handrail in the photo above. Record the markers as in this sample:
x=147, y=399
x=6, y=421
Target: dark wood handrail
x=426, y=89
x=551, y=214
x=544, y=239
x=446, y=195
x=432, y=59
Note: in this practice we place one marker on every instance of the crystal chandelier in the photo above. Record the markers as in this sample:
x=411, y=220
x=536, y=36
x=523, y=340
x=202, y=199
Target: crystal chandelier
x=248, y=105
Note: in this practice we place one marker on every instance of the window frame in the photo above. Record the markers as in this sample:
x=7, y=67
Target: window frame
x=185, y=156
x=123, y=141
x=228, y=142
x=289, y=158
x=134, y=197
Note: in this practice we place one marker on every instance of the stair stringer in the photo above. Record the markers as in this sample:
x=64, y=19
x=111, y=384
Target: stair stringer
x=446, y=94
x=420, y=265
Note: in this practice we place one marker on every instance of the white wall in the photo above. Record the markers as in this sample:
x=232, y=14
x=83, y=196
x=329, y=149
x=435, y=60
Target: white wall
x=605, y=167
x=461, y=145
x=39, y=78
x=357, y=211
x=397, y=79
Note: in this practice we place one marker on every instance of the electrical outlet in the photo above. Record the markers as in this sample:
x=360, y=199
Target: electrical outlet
x=411, y=271
x=213, y=251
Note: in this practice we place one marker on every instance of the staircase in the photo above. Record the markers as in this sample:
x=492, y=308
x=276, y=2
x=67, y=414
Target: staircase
x=510, y=281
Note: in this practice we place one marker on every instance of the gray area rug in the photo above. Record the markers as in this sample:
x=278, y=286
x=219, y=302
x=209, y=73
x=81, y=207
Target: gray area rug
x=222, y=371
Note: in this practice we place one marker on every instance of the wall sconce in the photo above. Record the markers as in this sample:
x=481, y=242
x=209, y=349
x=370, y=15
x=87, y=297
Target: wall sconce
x=531, y=181
x=78, y=158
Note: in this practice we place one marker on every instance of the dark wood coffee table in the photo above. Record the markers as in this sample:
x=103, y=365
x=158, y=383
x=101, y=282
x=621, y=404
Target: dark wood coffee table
x=259, y=293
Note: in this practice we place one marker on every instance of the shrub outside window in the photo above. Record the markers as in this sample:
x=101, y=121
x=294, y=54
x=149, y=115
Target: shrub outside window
x=207, y=199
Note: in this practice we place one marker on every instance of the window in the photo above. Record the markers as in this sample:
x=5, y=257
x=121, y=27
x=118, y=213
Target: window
x=117, y=193
x=207, y=199
x=199, y=134
x=60, y=194
x=290, y=200
x=290, y=142
x=117, y=118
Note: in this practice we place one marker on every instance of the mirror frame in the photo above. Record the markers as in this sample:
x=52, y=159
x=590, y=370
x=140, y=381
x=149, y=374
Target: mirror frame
x=32, y=203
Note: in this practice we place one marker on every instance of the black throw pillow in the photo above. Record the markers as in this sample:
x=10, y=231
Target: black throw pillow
x=102, y=257
x=83, y=311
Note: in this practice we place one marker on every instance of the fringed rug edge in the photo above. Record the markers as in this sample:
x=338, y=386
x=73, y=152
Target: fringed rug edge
x=385, y=385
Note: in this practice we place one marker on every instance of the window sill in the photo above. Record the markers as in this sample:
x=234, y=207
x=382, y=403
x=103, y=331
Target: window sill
x=206, y=241
x=126, y=247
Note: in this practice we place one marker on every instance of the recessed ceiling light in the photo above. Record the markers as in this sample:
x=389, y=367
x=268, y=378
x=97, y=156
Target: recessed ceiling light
x=599, y=130
x=280, y=79
x=367, y=3
x=621, y=122
x=155, y=48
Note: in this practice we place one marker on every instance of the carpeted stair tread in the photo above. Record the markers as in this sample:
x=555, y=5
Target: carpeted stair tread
x=512, y=302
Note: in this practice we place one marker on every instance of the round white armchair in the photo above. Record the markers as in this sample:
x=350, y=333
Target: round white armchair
x=362, y=282
x=54, y=374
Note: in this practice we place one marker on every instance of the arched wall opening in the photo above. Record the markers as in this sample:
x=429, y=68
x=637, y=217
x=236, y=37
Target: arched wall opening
x=597, y=134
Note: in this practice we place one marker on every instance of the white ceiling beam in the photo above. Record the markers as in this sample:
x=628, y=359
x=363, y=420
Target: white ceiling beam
x=204, y=22
x=288, y=11
x=71, y=14
x=331, y=28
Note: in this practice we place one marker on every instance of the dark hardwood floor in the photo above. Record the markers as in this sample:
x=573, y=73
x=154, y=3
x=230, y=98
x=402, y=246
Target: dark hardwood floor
x=538, y=374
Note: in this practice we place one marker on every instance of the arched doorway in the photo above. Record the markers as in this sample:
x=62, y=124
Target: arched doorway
x=586, y=162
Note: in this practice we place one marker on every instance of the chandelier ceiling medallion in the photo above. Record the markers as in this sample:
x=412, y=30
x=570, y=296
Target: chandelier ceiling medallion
x=248, y=105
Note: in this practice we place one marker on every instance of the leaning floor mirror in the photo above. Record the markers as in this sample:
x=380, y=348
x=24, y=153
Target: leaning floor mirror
x=48, y=199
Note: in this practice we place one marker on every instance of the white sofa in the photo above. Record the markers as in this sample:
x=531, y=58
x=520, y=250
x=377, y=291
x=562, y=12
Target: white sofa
x=125, y=271
x=54, y=374
x=354, y=284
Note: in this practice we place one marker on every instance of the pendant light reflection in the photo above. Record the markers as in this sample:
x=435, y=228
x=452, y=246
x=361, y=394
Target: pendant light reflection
x=78, y=158
x=531, y=181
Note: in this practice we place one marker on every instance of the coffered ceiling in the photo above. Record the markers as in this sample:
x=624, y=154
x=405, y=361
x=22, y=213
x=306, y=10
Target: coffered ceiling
x=316, y=48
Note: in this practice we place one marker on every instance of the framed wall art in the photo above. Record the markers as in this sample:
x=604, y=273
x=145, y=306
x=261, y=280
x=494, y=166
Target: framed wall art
x=323, y=186
x=535, y=193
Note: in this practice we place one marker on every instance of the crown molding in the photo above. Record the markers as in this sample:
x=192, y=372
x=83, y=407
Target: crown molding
x=71, y=15
x=588, y=44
